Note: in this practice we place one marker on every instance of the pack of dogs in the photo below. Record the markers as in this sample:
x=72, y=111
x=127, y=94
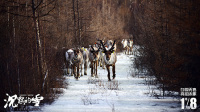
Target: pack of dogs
x=100, y=54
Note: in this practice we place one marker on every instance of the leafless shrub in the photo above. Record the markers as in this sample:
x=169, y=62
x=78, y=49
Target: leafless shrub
x=93, y=80
x=100, y=87
x=113, y=108
x=93, y=90
x=87, y=100
x=113, y=85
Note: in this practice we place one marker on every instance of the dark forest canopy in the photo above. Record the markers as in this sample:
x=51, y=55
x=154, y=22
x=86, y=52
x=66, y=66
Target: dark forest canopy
x=36, y=33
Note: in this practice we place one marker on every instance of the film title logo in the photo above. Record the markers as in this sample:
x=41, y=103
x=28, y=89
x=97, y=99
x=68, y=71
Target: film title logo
x=23, y=99
x=188, y=100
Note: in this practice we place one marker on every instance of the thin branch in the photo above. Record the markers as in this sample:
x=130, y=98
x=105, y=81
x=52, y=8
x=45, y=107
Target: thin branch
x=18, y=14
x=48, y=4
x=17, y=3
x=47, y=21
x=39, y=4
x=48, y=11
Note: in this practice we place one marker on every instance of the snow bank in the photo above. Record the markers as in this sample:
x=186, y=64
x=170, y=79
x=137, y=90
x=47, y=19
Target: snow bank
x=124, y=94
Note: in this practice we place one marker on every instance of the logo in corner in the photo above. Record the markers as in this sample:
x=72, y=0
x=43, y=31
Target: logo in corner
x=14, y=101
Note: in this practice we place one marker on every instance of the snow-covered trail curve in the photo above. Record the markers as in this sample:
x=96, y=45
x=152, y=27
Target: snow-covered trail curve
x=130, y=96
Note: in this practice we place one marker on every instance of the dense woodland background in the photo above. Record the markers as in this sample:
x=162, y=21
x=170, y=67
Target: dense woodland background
x=168, y=32
x=34, y=34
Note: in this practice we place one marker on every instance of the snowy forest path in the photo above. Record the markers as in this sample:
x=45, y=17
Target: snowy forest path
x=124, y=94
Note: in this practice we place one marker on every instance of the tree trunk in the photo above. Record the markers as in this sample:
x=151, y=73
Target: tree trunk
x=74, y=12
x=41, y=63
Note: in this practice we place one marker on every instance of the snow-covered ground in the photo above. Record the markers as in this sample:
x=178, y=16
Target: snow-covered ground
x=124, y=94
